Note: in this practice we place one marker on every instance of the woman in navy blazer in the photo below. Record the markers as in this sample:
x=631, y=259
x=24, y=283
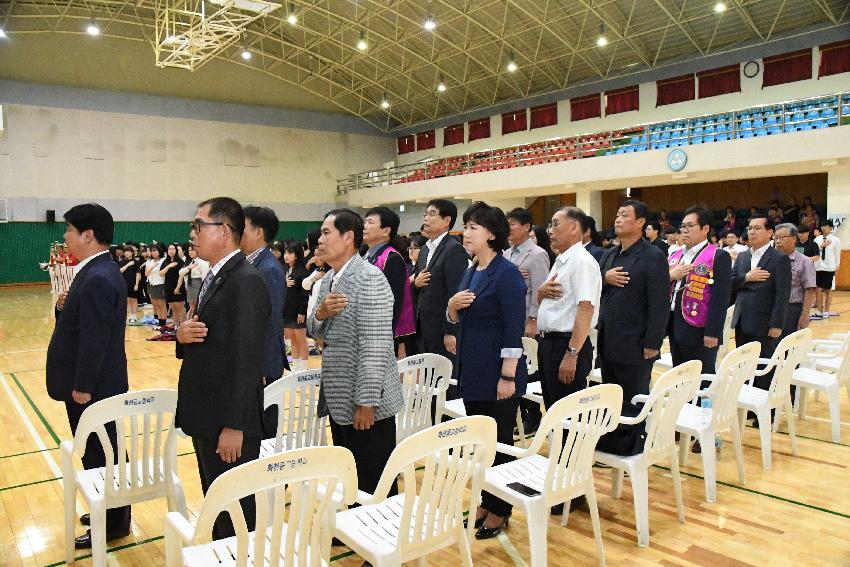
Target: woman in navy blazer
x=489, y=309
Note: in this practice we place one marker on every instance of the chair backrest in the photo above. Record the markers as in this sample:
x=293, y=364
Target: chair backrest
x=529, y=347
x=726, y=347
x=455, y=455
x=591, y=412
x=150, y=443
x=296, y=396
x=302, y=482
x=669, y=394
x=734, y=370
x=844, y=369
x=424, y=377
x=789, y=354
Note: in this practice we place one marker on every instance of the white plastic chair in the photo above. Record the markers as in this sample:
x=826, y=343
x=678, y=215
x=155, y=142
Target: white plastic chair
x=148, y=473
x=529, y=347
x=424, y=378
x=660, y=409
x=704, y=424
x=296, y=528
x=665, y=362
x=296, y=396
x=790, y=352
x=565, y=473
x=827, y=370
x=427, y=515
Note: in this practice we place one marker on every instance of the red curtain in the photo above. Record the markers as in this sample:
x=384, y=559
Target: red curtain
x=834, y=58
x=585, y=107
x=676, y=89
x=722, y=80
x=787, y=68
x=453, y=135
x=544, y=115
x=425, y=140
x=515, y=121
x=406, y=144
x=622, y=100
x=479, y=129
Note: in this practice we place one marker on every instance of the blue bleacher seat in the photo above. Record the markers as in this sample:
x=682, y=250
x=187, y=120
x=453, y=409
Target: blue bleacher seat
x=759, y=123
x=813, y=115
x=804, y=127
x=745, y=125
x=831, y=121
x=663, y=145
x=635, y=140
x=845, y=110
x=630, y=150
x=707, y=139
x=697, y=140
x=747, y=134
x=790, y=128
x=721, y=137
x=655, y=137
x=799, y=117
x=771, y=121
x=641, y=148
x=828, y=113
x=620, y=150
x=761, y=132
x=720, y=128
x=709, y=130
x=818, y=124
x=697, y=131
x=665, y=136
x=643, y=138
x=774, y=130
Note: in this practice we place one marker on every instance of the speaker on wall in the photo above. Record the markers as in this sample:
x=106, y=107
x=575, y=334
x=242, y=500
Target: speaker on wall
x=51, y=215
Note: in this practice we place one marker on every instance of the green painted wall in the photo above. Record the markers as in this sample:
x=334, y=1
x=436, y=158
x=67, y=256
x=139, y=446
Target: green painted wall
x=24, y=244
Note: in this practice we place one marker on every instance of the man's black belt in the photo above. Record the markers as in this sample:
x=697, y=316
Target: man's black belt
x=554, y=335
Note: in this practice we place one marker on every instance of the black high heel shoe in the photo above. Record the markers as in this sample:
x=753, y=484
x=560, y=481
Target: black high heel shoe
x=487, y=533
x=478, y=523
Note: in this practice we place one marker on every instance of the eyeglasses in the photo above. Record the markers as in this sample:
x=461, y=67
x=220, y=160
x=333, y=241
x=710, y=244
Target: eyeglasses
x=197, y=224
x=553, y=225
x=777, y=238
x=689, y=226
x=431, y=213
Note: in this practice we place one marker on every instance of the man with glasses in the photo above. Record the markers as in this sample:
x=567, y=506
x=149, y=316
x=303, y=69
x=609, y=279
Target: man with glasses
x=220, y=390
x=762, y=278
x=439, y=268
x=803, y=280
x=700, y=285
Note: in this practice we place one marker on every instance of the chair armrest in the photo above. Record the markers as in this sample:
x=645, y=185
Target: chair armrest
x=366, y=499
x=180, y=433
x=821, y=355
x=452, y=382
x=769, y=366
x=630, y=420
x=511, y=450
x=827, y=343
x=838, y=337
x=640, y=399
x=177, y=524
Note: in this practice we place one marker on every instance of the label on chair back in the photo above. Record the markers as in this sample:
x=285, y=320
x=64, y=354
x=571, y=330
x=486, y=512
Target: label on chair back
x=451, y=431
x=287, y=463
x=587, y=399
x=139, y=401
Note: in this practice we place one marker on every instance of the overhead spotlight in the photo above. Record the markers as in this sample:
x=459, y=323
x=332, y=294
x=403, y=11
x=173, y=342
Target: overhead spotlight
x=720, y=7
x=291, y=18
x=246, y=54
x=430, y=24
x=93, y=28
x=602, y=41
x=385, y=104
x=361, y=43
x=2, y=33
x=512, y=66
x=441, y=86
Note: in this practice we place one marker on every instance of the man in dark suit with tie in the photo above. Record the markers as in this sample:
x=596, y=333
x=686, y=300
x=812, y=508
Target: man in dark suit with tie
x=261, y=226
x=439, y=268
x=86, y=361
x=220, y=391
x=634, y=305
x=762, y=278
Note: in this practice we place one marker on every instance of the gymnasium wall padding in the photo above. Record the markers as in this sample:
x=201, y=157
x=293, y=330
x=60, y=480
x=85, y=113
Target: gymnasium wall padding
x=24, y=244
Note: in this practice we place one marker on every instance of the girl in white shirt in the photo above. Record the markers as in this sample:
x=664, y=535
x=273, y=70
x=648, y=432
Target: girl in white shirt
x=156, y=287
x=193, y=275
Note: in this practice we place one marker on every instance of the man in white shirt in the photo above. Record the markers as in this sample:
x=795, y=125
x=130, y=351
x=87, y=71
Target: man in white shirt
x=830, y=258
x=731, y=245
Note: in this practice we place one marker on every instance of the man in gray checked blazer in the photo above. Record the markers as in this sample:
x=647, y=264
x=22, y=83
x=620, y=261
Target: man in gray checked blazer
x=353, y=315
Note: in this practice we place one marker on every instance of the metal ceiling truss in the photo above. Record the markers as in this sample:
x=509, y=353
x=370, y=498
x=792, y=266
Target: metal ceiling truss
x=552, y=42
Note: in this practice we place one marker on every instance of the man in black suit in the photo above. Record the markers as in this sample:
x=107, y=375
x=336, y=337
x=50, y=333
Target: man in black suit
x=439, y=268
x=653, y=234
x=86, y=361
x=261, y=226
x=762, y=277
x=590, y=237
x=635, y=304
x=701, y=269
x=220, y=392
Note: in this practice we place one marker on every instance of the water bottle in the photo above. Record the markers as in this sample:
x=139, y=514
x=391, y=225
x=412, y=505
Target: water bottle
x=705, y=404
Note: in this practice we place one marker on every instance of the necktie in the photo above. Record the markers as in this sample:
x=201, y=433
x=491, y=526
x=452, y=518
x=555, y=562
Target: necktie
x=514, y=253
x=204, y=285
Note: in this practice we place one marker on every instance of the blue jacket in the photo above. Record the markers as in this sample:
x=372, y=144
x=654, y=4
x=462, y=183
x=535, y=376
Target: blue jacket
x=86, y=352
x=495, y=320
x=272, y=271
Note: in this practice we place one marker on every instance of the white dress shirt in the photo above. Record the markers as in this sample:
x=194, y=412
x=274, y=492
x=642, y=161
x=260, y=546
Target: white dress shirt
x=338, y=274
x=830, y=256
x=578, y=273
x=82, y=263
x=431, y=246
x=757, y=254
x=735, y=249
x=220, y=264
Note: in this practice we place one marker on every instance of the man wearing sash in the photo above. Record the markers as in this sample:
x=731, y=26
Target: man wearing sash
x=701, y=282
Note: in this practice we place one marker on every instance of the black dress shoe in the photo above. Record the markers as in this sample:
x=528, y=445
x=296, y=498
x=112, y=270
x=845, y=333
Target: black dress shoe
x=696, y=447
x=336, y=542
x=530, y=425
x=487, y=533
x=478, y=522
x=84, y=541
x=85, y=520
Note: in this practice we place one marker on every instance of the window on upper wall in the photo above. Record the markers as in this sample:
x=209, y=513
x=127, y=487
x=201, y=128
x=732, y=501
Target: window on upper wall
x=834, y=58
x=425, y=140
x=585, y=107
x=479, y=129
x=723, y=80
x=453, y=135
x=515, y=121
x=406, y=144
x=675, y=89
x=622, y=100
x=787, y=68
x=544, y=115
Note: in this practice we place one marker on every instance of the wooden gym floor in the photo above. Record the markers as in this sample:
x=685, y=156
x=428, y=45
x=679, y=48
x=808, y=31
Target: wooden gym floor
x=798, y=513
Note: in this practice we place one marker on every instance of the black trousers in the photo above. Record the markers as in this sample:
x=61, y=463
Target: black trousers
x=633, y=378
x=550, y=354
x=210, y=467
x=411, y=345
x=504, y=412
x=371, y=448
x=768, y=346
x=117, y=519
x=270, y=415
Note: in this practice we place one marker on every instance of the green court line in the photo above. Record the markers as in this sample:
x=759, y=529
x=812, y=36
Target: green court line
x=808, y=438
x=766, y=494
x=35, y=409
x=5, y=488
x=28, y=453
x=112, y=549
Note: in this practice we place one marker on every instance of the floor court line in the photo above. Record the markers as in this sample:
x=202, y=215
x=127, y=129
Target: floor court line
x=35, y=409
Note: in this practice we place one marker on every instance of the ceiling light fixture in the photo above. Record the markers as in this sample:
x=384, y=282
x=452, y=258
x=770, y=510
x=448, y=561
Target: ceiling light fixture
x=291, y=17
x=720, y=7
x=441, y=86
x=93, y=28
x=602, y=41
x=430, y=24
x=2, y=33
x=512, y=66
x=361, y=43
x=246, y=53
x=385, y=104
